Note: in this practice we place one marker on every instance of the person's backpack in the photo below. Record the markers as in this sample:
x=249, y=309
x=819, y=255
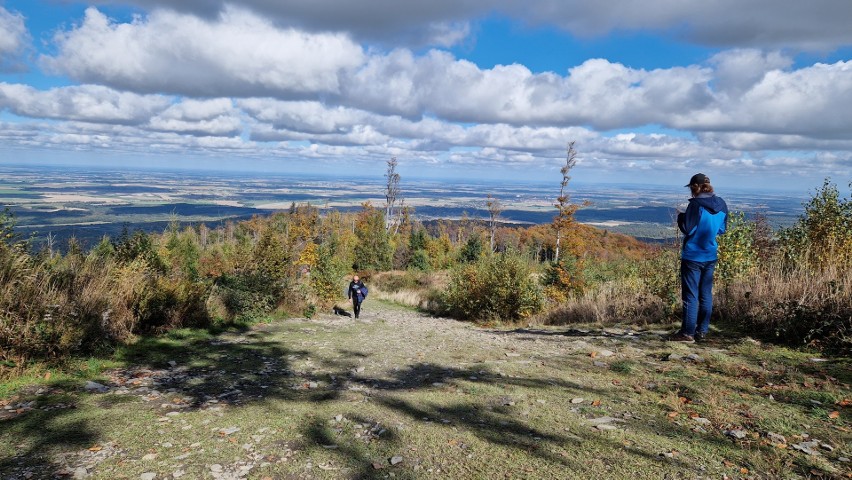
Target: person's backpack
x=364, y=291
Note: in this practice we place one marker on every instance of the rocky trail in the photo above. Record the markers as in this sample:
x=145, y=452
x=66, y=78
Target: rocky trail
x=398, y=394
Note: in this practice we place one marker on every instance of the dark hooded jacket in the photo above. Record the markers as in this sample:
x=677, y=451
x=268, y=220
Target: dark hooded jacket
x=704, y=219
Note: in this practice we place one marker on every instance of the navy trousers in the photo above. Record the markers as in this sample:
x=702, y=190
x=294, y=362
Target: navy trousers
x=696, y=280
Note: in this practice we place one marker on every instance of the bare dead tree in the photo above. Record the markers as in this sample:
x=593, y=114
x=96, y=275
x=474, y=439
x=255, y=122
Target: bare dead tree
x=565, y=208
x=494, y=209
x=393, y=196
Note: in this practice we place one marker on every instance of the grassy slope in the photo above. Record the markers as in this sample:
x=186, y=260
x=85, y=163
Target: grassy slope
x=330, y=398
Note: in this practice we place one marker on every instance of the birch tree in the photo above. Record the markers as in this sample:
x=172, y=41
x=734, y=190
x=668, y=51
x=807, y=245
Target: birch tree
x=393, y=197
x=565, y=208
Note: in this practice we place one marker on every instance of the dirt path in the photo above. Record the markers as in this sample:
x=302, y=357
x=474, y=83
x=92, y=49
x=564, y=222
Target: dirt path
x=398, y=394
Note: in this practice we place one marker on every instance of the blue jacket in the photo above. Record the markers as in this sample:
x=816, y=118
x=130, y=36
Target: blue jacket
x=705, y=217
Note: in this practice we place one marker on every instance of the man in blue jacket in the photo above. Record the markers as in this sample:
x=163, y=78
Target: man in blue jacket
x=704, y=219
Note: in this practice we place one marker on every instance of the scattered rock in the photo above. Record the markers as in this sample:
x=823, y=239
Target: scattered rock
x=216, y=468
x=694, y=357
x=148, y=476
x=395, y=460
x=598, y=363
x=702, y=421
x=602, y=421
x=606, y=426
x=674, y=356
x=577, y=400
x=807, y=447
x=149, y=457
x=826, y=447
x=80, y=473
x=737, y=433
x=313, y=385
x=605, y=353
x=229, y=431
x=95, y=387
x=512, y=354
x=172, y=363
x=776, y=438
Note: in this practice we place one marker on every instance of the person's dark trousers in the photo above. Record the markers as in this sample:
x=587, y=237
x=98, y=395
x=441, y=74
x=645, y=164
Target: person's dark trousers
x=356, y=305
x=696, y=280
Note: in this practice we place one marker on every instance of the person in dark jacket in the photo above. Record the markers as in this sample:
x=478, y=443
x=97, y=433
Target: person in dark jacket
x=356, y=294
x=704, y=219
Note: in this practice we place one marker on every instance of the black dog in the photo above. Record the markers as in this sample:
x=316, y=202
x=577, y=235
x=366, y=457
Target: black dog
x=340, y=311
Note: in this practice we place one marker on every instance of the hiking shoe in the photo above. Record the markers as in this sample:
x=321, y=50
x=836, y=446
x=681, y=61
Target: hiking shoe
x=700, y=337
x=680, y=337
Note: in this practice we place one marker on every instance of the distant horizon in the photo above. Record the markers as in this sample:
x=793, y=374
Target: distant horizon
x=378, y=177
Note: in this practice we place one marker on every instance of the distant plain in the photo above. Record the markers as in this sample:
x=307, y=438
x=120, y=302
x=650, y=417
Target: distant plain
x=88, y=203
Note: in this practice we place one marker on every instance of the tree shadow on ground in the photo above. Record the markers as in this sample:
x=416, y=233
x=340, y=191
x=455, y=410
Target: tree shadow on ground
x=204, y=371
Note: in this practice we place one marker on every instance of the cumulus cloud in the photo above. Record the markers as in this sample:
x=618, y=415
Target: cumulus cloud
x=236, y=54
x=813, y=102
x=92, y=103
x=14, y=40
x=216, y=117
x=817, y=24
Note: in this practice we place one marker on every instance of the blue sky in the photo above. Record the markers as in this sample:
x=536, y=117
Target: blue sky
x=751, y=93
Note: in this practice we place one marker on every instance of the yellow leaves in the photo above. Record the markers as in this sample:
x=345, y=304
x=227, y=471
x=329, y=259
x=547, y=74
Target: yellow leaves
x=672, y=414
x=309, y=255
x=95, y=448
x=834, y=414
x=596, y=403
x=47, y=376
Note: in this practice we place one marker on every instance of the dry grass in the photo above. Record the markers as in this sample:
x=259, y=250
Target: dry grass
x=623, y=301
x=802, y=305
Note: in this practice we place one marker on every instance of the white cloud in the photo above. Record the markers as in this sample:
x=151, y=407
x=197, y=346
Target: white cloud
x=92, y=103
x=238, y=54
x=216, y=117
x=812, y=102
x=14, y=40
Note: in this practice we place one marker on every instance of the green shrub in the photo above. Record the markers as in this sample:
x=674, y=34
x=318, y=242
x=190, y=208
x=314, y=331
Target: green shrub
x=496, y=287
x=738, y=255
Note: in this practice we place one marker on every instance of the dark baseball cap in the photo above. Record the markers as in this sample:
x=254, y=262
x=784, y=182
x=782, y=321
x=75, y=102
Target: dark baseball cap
x=697, y=179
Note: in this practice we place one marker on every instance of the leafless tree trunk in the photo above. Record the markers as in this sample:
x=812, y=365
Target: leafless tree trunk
x=203, y=233
x=393, y=196
x=562, y=203
x=494, y=209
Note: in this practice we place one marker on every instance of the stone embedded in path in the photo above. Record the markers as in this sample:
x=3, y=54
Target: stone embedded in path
x=603, y=421
x=807, y=447
x=95, y=387
x=606, y=426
